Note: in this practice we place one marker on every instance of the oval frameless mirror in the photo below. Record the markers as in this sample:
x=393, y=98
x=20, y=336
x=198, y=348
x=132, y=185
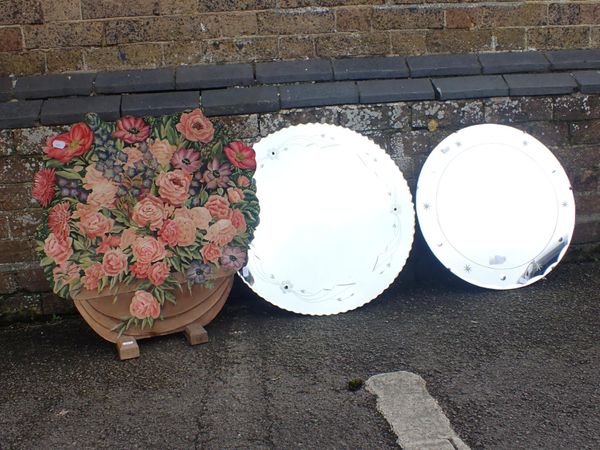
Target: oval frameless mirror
x=336, y=220
x=495, y=206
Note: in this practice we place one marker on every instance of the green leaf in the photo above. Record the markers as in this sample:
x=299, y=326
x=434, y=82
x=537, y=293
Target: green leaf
x=46, y=261
x=71, y=175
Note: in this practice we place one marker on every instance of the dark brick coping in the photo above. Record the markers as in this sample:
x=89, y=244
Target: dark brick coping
x=246, y=88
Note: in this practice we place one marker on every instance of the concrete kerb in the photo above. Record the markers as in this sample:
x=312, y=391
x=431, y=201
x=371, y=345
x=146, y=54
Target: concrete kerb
x=414, y=415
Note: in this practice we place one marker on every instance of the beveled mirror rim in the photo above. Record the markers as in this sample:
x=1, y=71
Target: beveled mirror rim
x=442, y=156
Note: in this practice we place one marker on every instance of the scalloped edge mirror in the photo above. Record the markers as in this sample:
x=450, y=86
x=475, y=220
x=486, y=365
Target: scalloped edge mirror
x=336, y=221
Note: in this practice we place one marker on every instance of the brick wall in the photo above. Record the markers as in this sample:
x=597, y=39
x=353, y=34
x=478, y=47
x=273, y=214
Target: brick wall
x=568, y=125
x=52, y=36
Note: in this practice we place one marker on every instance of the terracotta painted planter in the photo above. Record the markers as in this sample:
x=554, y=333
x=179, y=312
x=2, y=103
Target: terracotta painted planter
x=192, y=311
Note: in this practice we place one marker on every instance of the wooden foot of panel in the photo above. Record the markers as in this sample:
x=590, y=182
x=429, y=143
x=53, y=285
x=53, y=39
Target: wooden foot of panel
x=127, y=348
x=195, y=334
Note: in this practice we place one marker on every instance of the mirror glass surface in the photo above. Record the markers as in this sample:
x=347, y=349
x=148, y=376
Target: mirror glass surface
x=336, y=220
x=495, y=206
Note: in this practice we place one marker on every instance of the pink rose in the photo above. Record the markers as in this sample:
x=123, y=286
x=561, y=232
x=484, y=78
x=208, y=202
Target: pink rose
x=199, y=215
x=133, y=155
x=144, y=305
x=186, y=231
x=82, y=211
x=221, y=233
x=107, y=243
x=140, y=270
x=218, y=207
x=92, y=276
x=103, y=195
x=195, y=127
x=158, y=273
x=169, y=233
x=162, y=151
x=210, y=252
x=243, y=181
x=238, y=220
x=128, y=236
x=114, y=262
x=149, y=212
x=93, y=177
x=95, y=224
x=147, y=250
x=174, y=186
x=235, y=195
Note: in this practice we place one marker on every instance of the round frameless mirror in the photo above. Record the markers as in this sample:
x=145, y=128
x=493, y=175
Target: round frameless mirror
x=495, y=206
x=336, y=220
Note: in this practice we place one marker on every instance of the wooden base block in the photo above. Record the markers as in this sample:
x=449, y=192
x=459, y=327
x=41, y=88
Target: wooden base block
x=127, y=348
x=196, y=334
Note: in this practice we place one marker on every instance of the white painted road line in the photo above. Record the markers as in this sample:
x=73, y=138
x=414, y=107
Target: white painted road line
x=414, y=415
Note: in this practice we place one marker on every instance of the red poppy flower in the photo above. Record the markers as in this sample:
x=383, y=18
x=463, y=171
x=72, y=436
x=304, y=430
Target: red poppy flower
x=43, y=186
x=241, y=155
x=132, y=129
x=58, y=220
x=67, y=146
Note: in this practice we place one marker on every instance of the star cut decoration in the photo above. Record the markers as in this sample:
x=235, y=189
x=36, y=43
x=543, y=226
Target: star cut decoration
x=467, y=268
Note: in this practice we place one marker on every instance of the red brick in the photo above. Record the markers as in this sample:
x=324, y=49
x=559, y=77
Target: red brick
x=16, y=196
x=354, y=19
x=558, y=37
x=353, y=44
x=512, y=15
x=551, y=134
x=573, y=13
x=408, y=42
x=14, y=251
x=24, y=63
x=18, y=12
x=98, y=9
x=54, y=35
x=458, y=41
x=387, y=18
x=296, y=47
x=8, y=283
x=518, y=109
x=22, y=224
x=11, y=39
x=322, y=3
x=586, y=232
x=124, y=56
x=16, y=169
x=296, y=22
x=7, y=143
x=585, y=132
x=587, y=202
x=235, y=5
x=243, y=49
x=32, y=280
x=451, y=114
x=577, y=107
x=60, y=10
x=21, y=306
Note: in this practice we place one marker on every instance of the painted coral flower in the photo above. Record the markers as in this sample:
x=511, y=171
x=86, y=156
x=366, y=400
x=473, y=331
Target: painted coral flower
x=60, y=250
x=186, y=159
x=233, y=258
x=43, y=186
x=132, y=129
x=198, y=272
x=96, y=225
x=148, y=249
x=92, y=276
x=174, y=186
x=241, y=155
x=149, y=212
x=218, y=207
x=144, y=305
x=169, y=233
x=195, y=127
x=58, y=220
x=216, y=174
x=238, y=220
x=221, y=233
x=114, y=262
x=243, y=181
x=66, y=146
x=108, y=242
x=158, y=273
x=162, y=151
x=210, y=252
x=140, y=270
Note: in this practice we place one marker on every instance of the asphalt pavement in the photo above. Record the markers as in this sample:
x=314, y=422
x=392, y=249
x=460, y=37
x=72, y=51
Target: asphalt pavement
x=512, y=369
